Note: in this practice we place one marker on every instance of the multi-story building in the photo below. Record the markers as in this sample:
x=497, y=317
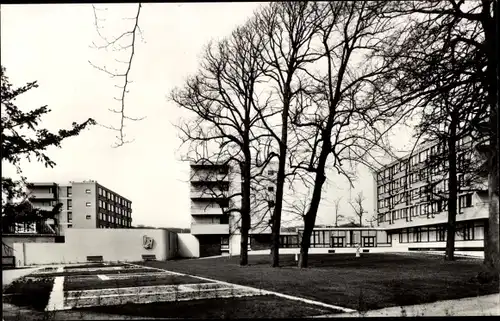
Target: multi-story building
x=411, y=199
x=215, y=199
x=85, y=204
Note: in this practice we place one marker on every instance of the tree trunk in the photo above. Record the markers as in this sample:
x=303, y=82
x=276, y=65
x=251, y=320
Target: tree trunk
x=310, y=217
x=276, y=218
x=245, y=203
x=452, y=192
x=491, y=249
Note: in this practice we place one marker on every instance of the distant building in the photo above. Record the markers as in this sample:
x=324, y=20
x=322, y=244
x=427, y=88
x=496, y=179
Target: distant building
x=85, y=204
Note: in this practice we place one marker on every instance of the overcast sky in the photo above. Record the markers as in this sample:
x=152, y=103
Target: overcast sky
x=51, y=44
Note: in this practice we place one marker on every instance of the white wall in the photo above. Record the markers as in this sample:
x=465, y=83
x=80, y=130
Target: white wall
x=235, y=244
x=188, y=245
x=112, y=244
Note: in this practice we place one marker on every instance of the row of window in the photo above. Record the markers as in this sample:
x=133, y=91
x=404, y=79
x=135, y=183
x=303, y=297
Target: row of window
x=113, y=208
x=422, y=157
x=466, y=231
x=109, y=226
x=69, y=204
x=113, y=197
x=399, y=185
x=428, y=192
x=433, y=207
x=114, y=219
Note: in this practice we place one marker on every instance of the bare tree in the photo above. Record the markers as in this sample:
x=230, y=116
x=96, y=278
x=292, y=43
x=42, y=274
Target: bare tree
x=288, y=29
x=224, y=99
x=340, y=115
x=359, y=209
x=338, y=216
x=463, y=34
x=126, y=43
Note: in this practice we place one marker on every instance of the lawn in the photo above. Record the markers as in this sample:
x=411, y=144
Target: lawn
x=267, y=306
x=29, y=291
x=370, y=282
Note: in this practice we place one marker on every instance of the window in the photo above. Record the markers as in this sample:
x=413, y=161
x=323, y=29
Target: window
x=100, y=191
x=338, y=241
x=432, y=234
x=70, y=217
x=369, y=241
x=403, y=236
x=467, y=200
x=69, y=191
x=70, y=225
x=87, y=191
x=319, y=239
x=88, y=204
x=441, y=233
x=69, y=204
x=88, y=217
x=270, y=188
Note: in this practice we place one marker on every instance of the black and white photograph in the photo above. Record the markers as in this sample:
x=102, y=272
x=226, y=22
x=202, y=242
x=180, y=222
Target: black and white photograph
x=249, y=160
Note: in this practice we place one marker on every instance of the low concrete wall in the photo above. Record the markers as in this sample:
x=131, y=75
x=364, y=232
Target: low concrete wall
x=188, y=245
x=111, y=244
x=8, y=241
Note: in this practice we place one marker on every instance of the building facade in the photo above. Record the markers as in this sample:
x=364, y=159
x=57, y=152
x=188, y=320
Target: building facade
x=86, y=204
x=411, y=199
x=214, y=194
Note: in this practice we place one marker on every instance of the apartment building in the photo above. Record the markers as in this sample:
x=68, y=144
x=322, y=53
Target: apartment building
x=86, y=204
x=214, y=194
x=411, y=199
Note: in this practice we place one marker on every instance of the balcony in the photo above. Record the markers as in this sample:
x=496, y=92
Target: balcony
x=209, y=229
x=208, y=194
x=41, y=196
x=209, y=177
x=206, y=210
x=44, y=207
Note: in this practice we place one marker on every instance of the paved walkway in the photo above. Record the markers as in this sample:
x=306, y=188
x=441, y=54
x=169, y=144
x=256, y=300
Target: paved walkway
x=487, y=305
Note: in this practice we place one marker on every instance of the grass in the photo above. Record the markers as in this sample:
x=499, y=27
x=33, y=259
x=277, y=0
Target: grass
x=73, y=284
x=29, y=291
x=372, y=281
x=268, y=306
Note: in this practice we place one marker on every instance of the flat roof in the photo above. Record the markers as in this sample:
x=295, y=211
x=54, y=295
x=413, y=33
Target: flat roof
x=345, y=228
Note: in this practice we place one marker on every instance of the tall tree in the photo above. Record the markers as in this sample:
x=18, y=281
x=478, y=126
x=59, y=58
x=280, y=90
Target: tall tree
x=224, y=99
x=22, y=138
x=447, y=29
x=341, y=116
x=288, y=28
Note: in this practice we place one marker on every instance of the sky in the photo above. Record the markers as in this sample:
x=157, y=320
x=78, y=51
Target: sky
x=51, y=43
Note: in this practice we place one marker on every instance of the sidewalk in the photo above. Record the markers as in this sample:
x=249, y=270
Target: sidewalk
x=487, y=305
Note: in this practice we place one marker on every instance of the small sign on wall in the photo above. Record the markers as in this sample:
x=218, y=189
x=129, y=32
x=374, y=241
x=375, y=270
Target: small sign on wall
x=148, y=242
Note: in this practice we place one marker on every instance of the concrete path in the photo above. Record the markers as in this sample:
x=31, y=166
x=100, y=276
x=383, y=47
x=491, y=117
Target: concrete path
x=488, y=305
